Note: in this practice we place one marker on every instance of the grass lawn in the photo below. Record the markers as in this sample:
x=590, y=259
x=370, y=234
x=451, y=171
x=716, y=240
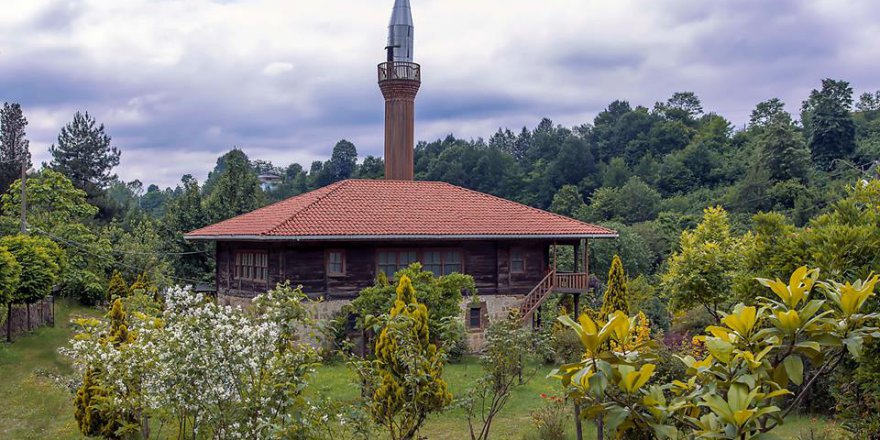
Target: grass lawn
x=336, y=381
x=34, y=407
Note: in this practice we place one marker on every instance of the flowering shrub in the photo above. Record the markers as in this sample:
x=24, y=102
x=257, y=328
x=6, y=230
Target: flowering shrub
x=734, y=392
x=211, y=371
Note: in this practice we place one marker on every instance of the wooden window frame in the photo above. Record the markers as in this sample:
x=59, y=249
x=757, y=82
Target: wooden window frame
x=522, y=258
x=484, y=316
x=470, y=317
x=420, y=257
x=342, y=262
x=248, y=271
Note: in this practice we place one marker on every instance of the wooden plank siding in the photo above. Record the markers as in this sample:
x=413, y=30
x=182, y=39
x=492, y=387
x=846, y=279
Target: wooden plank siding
x=304, y=263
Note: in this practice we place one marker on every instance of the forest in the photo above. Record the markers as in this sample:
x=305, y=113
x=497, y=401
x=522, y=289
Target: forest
x=702, y=207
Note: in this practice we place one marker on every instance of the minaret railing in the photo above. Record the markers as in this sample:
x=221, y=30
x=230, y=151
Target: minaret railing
x=392, y=70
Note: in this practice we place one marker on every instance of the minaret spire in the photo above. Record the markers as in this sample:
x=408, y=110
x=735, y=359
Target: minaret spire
x=400, y=33
x=399, y=80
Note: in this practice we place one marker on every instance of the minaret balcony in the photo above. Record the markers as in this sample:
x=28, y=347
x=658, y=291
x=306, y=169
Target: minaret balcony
x=399, y=70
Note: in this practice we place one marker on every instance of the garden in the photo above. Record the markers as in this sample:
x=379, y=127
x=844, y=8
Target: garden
x=740, y=357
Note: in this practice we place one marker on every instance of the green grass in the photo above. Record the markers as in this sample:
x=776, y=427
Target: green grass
x=338, y=382
x=35, y=407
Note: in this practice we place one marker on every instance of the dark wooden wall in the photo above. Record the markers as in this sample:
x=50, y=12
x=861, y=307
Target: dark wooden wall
x=304, y=264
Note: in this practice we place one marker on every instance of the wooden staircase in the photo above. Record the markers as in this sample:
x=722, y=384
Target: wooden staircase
x=553, y=282
x=537, y=296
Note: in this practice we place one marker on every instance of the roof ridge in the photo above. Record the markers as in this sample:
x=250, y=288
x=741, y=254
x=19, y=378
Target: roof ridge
x=339, y=185
x=532, y=208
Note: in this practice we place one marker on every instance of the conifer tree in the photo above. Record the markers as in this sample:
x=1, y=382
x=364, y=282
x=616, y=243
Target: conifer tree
x=91, y=418
x=13, y=145
x=408, y=368
x=615, y=297
x=83, y=153
x=116, y=288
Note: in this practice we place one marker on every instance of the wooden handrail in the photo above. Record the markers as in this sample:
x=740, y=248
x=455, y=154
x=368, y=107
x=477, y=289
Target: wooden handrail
x=570, y=280
x=535, y=297
x=553, y=280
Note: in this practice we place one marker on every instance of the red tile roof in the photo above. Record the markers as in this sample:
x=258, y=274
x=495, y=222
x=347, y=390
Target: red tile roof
x=397, y=209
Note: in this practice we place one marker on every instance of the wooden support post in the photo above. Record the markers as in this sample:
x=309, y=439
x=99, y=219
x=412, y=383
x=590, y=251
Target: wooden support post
x=577, y=305
x=587, y=262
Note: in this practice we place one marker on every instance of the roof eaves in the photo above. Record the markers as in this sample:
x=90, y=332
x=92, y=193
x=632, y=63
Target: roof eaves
x=379, y=237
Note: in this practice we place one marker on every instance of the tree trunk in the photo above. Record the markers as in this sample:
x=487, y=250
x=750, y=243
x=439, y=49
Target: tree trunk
x=600, y=429
x=9, y=322
x=27, y=307
x=578, y=427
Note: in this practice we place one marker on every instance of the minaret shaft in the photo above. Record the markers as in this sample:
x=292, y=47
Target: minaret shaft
x=399, y=80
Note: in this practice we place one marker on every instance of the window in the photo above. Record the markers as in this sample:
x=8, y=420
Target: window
x=438, y=262
x=451, y=262
x=251, y=265
x=388, y=263
x=431, y=262
x=517, y=261
x=475, y=317
x=335, y=262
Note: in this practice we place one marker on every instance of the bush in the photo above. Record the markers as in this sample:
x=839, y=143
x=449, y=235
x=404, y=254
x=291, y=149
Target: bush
x=551, y=418
x=441, y=295
x=566, y=346
x=453, y=338
x=84, y=286
x=39, y=259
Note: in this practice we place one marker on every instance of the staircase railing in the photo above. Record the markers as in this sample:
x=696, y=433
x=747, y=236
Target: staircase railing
x=577, y=281
x=536, y=297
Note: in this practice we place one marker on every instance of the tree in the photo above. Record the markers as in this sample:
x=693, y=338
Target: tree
x=703, y=271
x=567, y=201
x=52, y=201
x=343, y=161
x=236, y=191
x=116, y=288
x=783, y=152
x=10, y=272
x=441, y=295
x=371, y=168
x=829, y=125
x=189, y=260
x=615, y=297
x=511, y=358
x=39, y=261
x=634, y=202
x=84, y=154
x=769, y=112
x=753, y=357
x=13, y=144
x=405, y=381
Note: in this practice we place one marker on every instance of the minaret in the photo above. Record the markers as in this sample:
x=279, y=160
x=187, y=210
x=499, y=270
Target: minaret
x=399, y=80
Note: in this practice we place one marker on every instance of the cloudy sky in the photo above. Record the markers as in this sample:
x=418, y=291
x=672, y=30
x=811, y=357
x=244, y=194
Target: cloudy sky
x=178, y=82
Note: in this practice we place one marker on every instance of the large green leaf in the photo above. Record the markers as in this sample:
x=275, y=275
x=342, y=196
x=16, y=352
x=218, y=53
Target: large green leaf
x=794, y=367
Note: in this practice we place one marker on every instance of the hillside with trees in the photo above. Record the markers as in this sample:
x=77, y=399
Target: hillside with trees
x=702, y=208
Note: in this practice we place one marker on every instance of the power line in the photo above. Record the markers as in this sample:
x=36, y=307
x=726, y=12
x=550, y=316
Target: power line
x=110, y=258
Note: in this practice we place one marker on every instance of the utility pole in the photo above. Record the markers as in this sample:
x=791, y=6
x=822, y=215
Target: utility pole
x=23, y=192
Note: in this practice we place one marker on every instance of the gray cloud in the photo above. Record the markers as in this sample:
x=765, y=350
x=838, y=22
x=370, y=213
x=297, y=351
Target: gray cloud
x=178, y=83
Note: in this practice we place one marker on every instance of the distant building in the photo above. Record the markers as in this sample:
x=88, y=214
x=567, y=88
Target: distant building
x=269, y=181
x=335, y=240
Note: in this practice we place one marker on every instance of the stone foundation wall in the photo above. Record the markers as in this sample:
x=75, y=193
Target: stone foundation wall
x=319, y=311
x=495, y=307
